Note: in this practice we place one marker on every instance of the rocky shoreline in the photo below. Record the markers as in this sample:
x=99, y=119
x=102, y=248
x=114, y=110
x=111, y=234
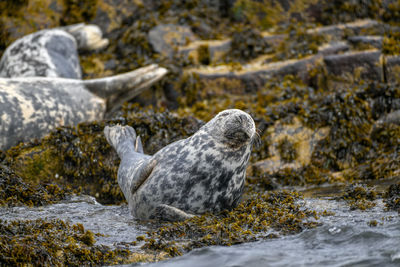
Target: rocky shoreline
x=320, y=79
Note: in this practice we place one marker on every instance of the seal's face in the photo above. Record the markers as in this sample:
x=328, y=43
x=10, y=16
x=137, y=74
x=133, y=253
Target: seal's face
x=233, y=127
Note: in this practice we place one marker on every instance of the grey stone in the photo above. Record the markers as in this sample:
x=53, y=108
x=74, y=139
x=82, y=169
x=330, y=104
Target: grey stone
x=370, y=40
x=353, y=67
x=392, y=69
x=165, y=39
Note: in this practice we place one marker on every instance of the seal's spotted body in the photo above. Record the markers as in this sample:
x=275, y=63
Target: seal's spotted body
x=47, y=53
x=40, y=86
x=31, y=107
x=203, y=173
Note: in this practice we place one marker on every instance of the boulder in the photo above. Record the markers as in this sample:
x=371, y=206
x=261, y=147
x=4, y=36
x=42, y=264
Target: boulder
x=166, y=38
x=392, y=69
x=333, y=48
x=254, y=76
x=292, y=146
x=370, y=41
x=339, y=31
x=353, y=67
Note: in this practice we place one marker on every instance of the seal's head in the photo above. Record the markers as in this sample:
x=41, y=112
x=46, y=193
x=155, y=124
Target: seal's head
x=232, y=127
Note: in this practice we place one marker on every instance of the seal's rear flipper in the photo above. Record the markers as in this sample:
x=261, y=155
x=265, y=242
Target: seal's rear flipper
x=168, y=213
x=123, y=87
x=87, y=36
x=122, y=138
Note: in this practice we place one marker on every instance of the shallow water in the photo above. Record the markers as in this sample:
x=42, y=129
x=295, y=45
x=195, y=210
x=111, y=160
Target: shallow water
x=344, y=239
x=114, y=222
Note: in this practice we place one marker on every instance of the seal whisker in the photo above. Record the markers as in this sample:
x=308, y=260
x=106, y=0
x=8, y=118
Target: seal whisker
x=256, y=141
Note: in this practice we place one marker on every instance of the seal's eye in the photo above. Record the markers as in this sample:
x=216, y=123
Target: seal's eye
x=236, y=135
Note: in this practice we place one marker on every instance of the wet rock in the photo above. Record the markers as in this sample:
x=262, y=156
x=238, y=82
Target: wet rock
x=112, y=15
x=273, y=39
x=392, y=69
x=337, y=32
x=392, y=197
x=54, y=243
x=166, y=38
x=291, y=147
x=392, y=117
x=353, y=67
x=369, y=41
x=247, y=43
x=253, y=76
x=333, y=48
x=359, y=196
x=218, y=50
x=210, y=50
x=15, y=192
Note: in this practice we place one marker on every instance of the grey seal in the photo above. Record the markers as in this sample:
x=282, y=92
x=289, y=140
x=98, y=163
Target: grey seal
x=40, y=86
x=202, y=173
x=51, y=52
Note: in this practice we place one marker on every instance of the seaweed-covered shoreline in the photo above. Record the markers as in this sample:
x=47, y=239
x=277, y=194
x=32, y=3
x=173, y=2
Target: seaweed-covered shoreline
x=320, y=79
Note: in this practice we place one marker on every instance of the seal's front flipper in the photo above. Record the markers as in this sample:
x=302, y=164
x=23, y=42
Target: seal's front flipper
x=138, y=145
x=165, y=212
x=142, y=175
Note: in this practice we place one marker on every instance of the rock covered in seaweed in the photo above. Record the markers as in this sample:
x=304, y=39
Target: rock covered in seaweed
x=14, y=191
x=53, y=242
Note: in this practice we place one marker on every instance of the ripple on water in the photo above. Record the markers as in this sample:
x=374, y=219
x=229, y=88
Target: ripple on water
x=114, y=222
x=345, y=239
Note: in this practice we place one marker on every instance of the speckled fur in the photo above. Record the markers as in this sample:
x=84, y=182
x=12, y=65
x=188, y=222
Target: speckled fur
x=31, y=107
x=47, y=53
x=203, y=173
x=40, y=86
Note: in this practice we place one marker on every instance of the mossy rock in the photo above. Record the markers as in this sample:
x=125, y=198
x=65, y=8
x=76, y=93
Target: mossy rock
x=291, y=147
x=359, y=196
x=53, y=242
x=392, y=197
x=14, y=191
x=250, y=221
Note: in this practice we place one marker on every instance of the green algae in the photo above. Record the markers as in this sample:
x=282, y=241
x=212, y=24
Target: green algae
x=257, y=217
x=359, y=196
x=333, y=12
x=298, y=43
x=392, y=197
x=78, y=11
x=204, y=55
x=287, y=150
x=14, y=191
x=246, y=43
x=53, y=242
x=391, y=43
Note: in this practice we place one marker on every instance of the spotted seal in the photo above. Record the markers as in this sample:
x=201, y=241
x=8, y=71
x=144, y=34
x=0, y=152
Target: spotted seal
x=202, y=173
x=40, y=86
x=51, y=52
